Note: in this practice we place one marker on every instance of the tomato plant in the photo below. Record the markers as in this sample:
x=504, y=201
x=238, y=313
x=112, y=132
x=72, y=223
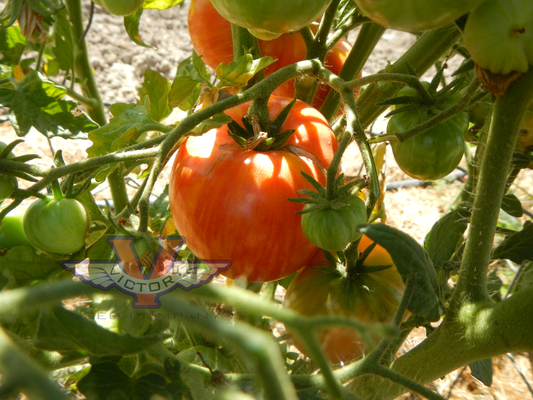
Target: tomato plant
x=432, y=154
x=268, y=19
x=322, y=289
x=237, y=191
x=120, y=7
x=415, y=15
x=332, y=229
x=231, y=203
x=56, y=226
x=498, y=34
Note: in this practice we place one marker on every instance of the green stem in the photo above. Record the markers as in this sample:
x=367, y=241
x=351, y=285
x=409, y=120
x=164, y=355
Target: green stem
x=421, y=56
x=56, y=190
x=367, y=39
x=252, y=343
x=119, y=192
x=508, y=113
x=96, y=111
x=319, y=357
x=333, y=169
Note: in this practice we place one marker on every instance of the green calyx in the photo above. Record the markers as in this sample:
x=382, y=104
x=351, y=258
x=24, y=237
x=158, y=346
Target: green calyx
x=410, y=100
x=252, y=137
x=318, y=200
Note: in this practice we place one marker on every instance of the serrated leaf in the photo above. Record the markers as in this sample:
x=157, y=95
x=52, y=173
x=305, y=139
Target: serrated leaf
x=12, y=44
x=121, y=131
x=512, y=206
x=160, y=4
x=131, y=24
x=63, y=330
x=21, y=265
x=482, y=370
x=239, y=72
x=213, y=357
x=517, y=247
x=446, y=235
x=155, y=88
x=37, y=101
x=181, y=89
x=413, y=263
x=64, y=43
x=10, y=13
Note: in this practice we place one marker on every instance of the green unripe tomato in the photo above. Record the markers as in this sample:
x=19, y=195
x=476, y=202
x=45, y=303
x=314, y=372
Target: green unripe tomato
x=433, y=154
x=12, y=231
x=268, y=19
x=120, y=7
x=7, y=186
x=56, y=226
x=332, y=229
x=499, y=35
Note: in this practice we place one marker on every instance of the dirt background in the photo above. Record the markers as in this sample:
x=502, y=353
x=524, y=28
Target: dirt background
x=119, y=65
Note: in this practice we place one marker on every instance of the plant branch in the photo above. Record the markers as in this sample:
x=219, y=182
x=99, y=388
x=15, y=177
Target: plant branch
x=508, y=113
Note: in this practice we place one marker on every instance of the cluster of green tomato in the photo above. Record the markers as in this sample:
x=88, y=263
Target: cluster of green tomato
x=53, y=225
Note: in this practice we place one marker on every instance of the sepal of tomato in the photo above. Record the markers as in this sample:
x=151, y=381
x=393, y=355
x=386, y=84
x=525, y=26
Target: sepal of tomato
x=332, y=229
x=322, y=289
x=56, y=226
x=232, y=204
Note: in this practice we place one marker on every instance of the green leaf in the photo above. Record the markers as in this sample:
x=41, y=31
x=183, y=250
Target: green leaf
x=131, y=23
x=45, y=7
x=37, y=102
x=181, y=89
x=512, y=206
x=160, y=4
x=20, y=266
x=154, y=95
x=213, y=357
x=123, y=129
x=64, y=43
x=62, y=330
x=184, y=90
x=525, y=279
x=446, y=235
x=520, y=160
x=413, y=263
x=10, y=13
x=517, y=247
x=482, y=370
x=239, y=72
x=12, y=44
x=104, y=380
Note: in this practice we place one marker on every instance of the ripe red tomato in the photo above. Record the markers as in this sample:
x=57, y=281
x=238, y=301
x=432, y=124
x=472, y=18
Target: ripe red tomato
x=216, y=46
x=231, y=204
x=321, y=289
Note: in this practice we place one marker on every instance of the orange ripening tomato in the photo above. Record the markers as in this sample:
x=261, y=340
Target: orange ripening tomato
x=321, y=289
x=230, y=203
